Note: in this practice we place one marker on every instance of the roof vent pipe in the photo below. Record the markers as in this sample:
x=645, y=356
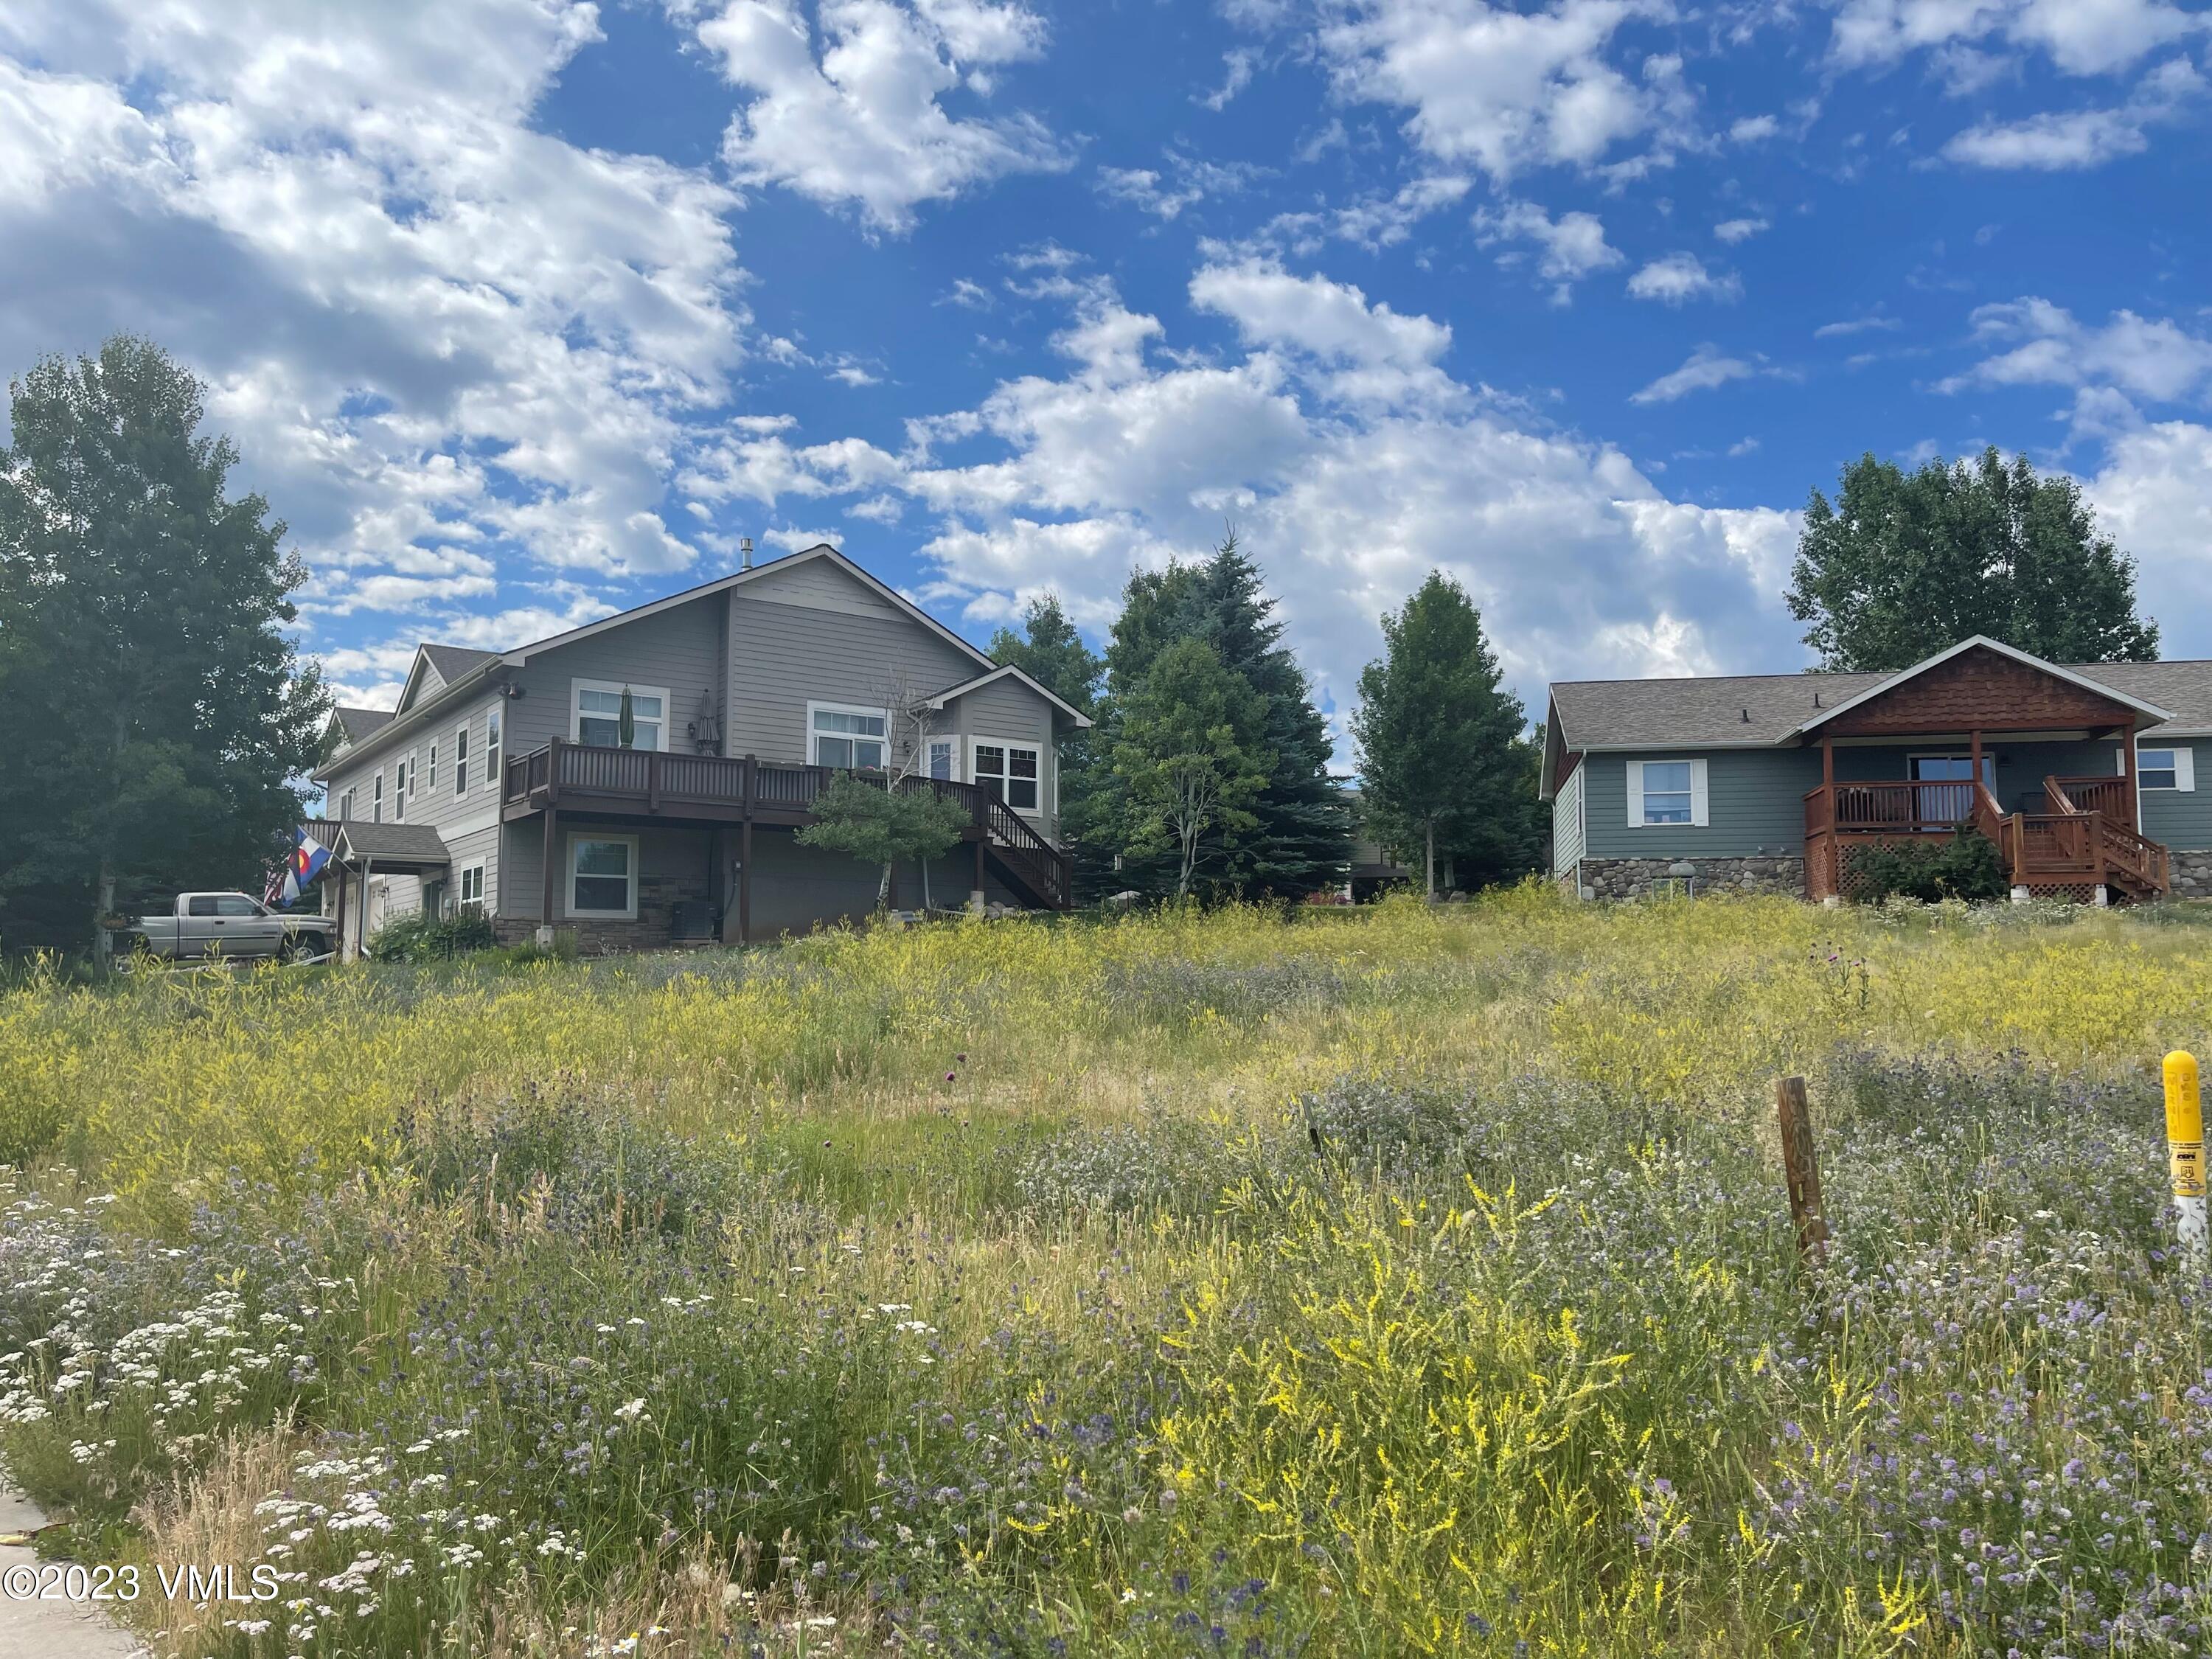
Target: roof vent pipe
x=1747, y=717
x=744, y=552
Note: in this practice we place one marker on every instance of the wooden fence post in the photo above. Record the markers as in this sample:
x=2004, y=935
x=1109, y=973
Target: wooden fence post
x=1801, y=1168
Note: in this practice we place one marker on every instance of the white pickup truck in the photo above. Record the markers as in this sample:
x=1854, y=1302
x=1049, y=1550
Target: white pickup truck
x=229, y=925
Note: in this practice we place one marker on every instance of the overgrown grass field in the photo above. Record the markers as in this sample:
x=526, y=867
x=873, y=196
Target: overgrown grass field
x=1398, y=1281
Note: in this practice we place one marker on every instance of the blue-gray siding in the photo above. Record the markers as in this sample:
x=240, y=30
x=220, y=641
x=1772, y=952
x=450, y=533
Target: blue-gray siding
x=1567, y=822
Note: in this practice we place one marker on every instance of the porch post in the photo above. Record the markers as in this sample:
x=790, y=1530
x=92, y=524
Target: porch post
x=546, y=897
x=2128, y=771
x=745, y=852
x=1975, y=738
x=343, y=880
x=975, y=900
x=1828, y=766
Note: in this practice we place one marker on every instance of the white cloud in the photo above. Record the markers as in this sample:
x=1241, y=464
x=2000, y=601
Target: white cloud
x=1150, y=191
x=1238, y=66
x=969, y=296
x=1382, y=221
x=1573, y=244
x=1704, y=369
x=1753, y=128
x=2081, y=36
x=864, y=125
x=2154, y=498
x=1850, y=326
x=1497, y=87
x=1139, y=451
x=1678, y=278
x=2154, y=359
x=1740, y=230
x=448, y=344
x=2054, y=142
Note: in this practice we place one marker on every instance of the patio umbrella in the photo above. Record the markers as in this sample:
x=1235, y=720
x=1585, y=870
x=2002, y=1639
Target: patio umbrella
x=626, y=723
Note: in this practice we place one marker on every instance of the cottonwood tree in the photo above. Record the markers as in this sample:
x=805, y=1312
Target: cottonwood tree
x=159, y=725
x=1190, y=755
x=1903, y=565
x=1441, y=759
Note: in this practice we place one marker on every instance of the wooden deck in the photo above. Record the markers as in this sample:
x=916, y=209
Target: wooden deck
x=744, y=790
x=2084, y=839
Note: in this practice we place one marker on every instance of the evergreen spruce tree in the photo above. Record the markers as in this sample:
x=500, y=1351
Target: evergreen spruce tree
x=1301, y=839
x=1051, y=651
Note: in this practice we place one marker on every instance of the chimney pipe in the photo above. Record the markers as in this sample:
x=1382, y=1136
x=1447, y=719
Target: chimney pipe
x=744, y=552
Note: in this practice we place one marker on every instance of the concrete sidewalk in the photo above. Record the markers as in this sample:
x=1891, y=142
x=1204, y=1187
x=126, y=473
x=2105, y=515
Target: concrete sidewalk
x=32, y=1629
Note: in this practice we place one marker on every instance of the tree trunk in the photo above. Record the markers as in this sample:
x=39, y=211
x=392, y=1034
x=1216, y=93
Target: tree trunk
x=103, y=942
x=1428, y=834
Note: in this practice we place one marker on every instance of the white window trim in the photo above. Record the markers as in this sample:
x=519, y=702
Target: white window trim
x=345, y=805
x=814, y=709
x=1989, y=765
x=461, y=900
x=576, y=715
x=376, y=796
x=461, y=761
x=1009, y=744
x=568, y=882
x=2185, y=768
x=1700, y=801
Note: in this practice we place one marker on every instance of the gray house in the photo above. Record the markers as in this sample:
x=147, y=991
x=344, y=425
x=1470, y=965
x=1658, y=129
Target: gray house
x=2084, y=776
x=502, y=780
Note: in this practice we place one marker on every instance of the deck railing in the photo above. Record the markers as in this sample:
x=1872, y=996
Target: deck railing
x=562, y=772
x=2083, y=839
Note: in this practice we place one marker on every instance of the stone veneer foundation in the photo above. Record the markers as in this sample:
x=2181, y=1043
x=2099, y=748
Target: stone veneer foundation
x=1628, y=878
x=2191, y=873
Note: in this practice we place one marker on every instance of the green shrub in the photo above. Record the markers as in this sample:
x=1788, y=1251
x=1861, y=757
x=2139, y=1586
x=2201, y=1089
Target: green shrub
x=428, y=939
x=1967, y=867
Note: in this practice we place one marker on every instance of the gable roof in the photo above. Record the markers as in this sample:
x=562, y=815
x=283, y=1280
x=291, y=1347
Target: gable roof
x=1984, y=643
x=1758, y=711
x=1008, y=671
x=452, y=661
x=484, y=663
x=354, y=724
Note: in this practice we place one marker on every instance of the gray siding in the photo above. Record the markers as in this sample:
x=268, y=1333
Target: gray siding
x=2183, y=820
x=679, y=649
x=1755, y=798
x=438, y=806
x=782, y=656
x=1009, y=709
x=1567, y=821
x=673, y=851
x=477, y=845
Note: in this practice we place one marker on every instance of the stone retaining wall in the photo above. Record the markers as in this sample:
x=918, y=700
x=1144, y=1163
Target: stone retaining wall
x=650, y=930
x=1628, y=878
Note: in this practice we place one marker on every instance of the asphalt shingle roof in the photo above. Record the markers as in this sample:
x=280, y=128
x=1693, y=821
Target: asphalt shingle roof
x=358, y=723
x=452, y=661
x=1764, y=708
x=412, y=843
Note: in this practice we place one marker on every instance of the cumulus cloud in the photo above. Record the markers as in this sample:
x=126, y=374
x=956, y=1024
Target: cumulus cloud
x=1139, y=451
x=1740, y=230
x=864, y=123
x=448, y=344
x=2154, y=497
x=2081, y=36
x=1677, y=278
x=1189, y=180
x=2151, y=358
x=1382, y=221
x=1572, y=246
x=1497, y=87
x=2053, y=142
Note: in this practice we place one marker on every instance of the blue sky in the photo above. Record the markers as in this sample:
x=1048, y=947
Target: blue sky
x=523, y=311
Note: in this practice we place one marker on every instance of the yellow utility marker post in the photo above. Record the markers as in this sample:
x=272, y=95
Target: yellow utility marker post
x=2184, y=1149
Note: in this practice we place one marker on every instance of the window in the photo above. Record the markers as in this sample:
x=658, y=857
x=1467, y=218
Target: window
x=603, y=876
x=376, y=795
x=430, y=776
x=472, y=887
x=1666, y=792
x=1949, y=799
x=235, y=905
x=345, y=806
x=401, y=772
x=941, y=751
x=200, y=905
x=1011, y=771
x=840, y=735
x=461, y=762
x=491, y=746
x=2167, y=769
x=596, y=714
